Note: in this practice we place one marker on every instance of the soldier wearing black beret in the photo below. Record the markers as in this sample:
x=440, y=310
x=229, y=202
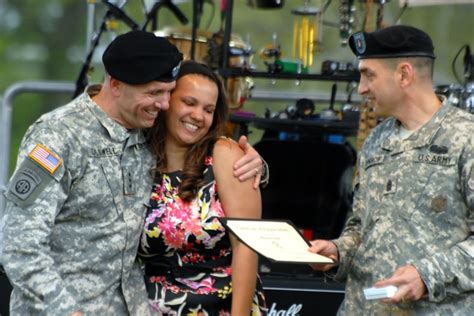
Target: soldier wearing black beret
x=139, y=57
x=411, y=228
x=391, y=42
x=80, y=184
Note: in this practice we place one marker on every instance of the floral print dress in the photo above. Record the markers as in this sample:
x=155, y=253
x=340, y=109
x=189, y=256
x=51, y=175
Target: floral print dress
x=187, y=252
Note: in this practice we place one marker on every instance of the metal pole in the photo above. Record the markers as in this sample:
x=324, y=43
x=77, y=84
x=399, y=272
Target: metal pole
x=90, y=24
x=227, y=34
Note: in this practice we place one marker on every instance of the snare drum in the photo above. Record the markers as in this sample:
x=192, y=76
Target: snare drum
x=181, y=38
x=207, y=51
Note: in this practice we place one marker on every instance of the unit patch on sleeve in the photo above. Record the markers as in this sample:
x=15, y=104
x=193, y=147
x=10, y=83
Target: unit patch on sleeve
x=45, y=158
x=28, y=182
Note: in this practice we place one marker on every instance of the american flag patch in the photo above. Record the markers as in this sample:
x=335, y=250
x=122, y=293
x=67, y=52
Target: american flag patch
x=46, y=158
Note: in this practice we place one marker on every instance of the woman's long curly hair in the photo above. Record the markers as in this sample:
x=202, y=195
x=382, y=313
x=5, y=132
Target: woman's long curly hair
x=192, y=176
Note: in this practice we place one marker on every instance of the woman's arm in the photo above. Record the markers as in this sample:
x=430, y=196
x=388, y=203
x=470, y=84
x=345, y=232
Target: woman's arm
x=239, y=200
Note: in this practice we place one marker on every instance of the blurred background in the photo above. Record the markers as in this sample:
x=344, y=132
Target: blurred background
x=48, y=40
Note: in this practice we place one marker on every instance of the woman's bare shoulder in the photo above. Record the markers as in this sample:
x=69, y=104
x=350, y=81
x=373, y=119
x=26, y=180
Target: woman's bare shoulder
x=227, y=147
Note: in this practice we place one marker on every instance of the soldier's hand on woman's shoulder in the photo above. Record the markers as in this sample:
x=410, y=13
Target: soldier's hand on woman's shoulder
x=250, y=165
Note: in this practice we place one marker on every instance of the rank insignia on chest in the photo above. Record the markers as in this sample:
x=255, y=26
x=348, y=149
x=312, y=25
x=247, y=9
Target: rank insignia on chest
x=128, y=182
x=439, y=203
x=390, y=186
x=45, y=158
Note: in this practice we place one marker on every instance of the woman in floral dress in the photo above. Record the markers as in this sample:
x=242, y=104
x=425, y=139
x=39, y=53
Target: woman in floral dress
x=193, y=266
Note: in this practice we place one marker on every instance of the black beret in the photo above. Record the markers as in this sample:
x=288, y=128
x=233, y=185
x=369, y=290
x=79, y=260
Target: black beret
x=392, y=42
x=140, y=57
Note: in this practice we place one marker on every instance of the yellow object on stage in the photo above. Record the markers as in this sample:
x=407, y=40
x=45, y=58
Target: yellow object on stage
x=305, y=33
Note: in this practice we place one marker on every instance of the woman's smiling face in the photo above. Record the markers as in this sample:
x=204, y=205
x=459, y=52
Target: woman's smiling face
x=191, y=111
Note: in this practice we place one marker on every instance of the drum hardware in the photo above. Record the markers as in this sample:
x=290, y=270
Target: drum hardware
x=271, y=54
x=153, y=13
x=468, y=65
x=347, y=17
x=119, y=14
x=290, y=112
x=302, y=109
x=209, y=47
x=461, y=96
x=330, y=113
x=455, y=95
x=198, y=8
x=350, y=111
x=113, y=12
x=240, y=52
x=368, y=22
x=240, y=56
x=468, y=98
x=379, y=18
x=400, y=13
x=349, y=105
x=266, y=4
x=332, y=67
x=208, y=50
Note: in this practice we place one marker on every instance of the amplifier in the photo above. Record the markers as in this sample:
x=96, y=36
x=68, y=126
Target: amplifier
x=302, y=295
x=286, y=295
x=5, y=290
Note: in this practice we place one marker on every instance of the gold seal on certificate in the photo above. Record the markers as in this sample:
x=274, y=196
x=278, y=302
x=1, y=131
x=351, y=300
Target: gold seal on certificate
x=278, y=240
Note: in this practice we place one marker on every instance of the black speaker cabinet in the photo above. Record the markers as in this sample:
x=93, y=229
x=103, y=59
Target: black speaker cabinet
x=302, y=296
x=5, y=290
x=310, y=184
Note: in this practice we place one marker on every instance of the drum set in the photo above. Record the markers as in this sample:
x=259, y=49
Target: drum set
x=461, y=96
x=208, y=51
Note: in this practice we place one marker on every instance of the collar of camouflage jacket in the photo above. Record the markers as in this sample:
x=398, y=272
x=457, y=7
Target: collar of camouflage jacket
x=420, y=138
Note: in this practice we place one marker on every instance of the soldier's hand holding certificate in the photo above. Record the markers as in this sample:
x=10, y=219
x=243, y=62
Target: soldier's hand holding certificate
x=277, y=240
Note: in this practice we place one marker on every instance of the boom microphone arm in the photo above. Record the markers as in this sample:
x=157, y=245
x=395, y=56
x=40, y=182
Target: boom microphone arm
x=120, y=14
x=113, y=11
x=151, y=15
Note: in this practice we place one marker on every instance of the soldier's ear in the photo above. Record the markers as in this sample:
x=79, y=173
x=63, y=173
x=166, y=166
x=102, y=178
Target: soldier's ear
x=406, y=73
x=116, y=86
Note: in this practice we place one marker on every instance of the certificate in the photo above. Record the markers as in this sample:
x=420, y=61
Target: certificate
x=278, y=240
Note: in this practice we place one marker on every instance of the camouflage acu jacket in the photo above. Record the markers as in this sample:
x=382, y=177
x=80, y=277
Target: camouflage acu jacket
x=75, y=208
x=414, y=204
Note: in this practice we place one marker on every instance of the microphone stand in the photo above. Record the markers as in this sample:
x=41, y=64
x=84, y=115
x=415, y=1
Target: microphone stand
x=113, y=11
x=120, y=14
x=152, y=14
x=197, y=13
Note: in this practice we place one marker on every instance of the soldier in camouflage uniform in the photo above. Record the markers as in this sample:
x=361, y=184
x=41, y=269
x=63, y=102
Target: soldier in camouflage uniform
x=76, y=201
x=413, y=214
